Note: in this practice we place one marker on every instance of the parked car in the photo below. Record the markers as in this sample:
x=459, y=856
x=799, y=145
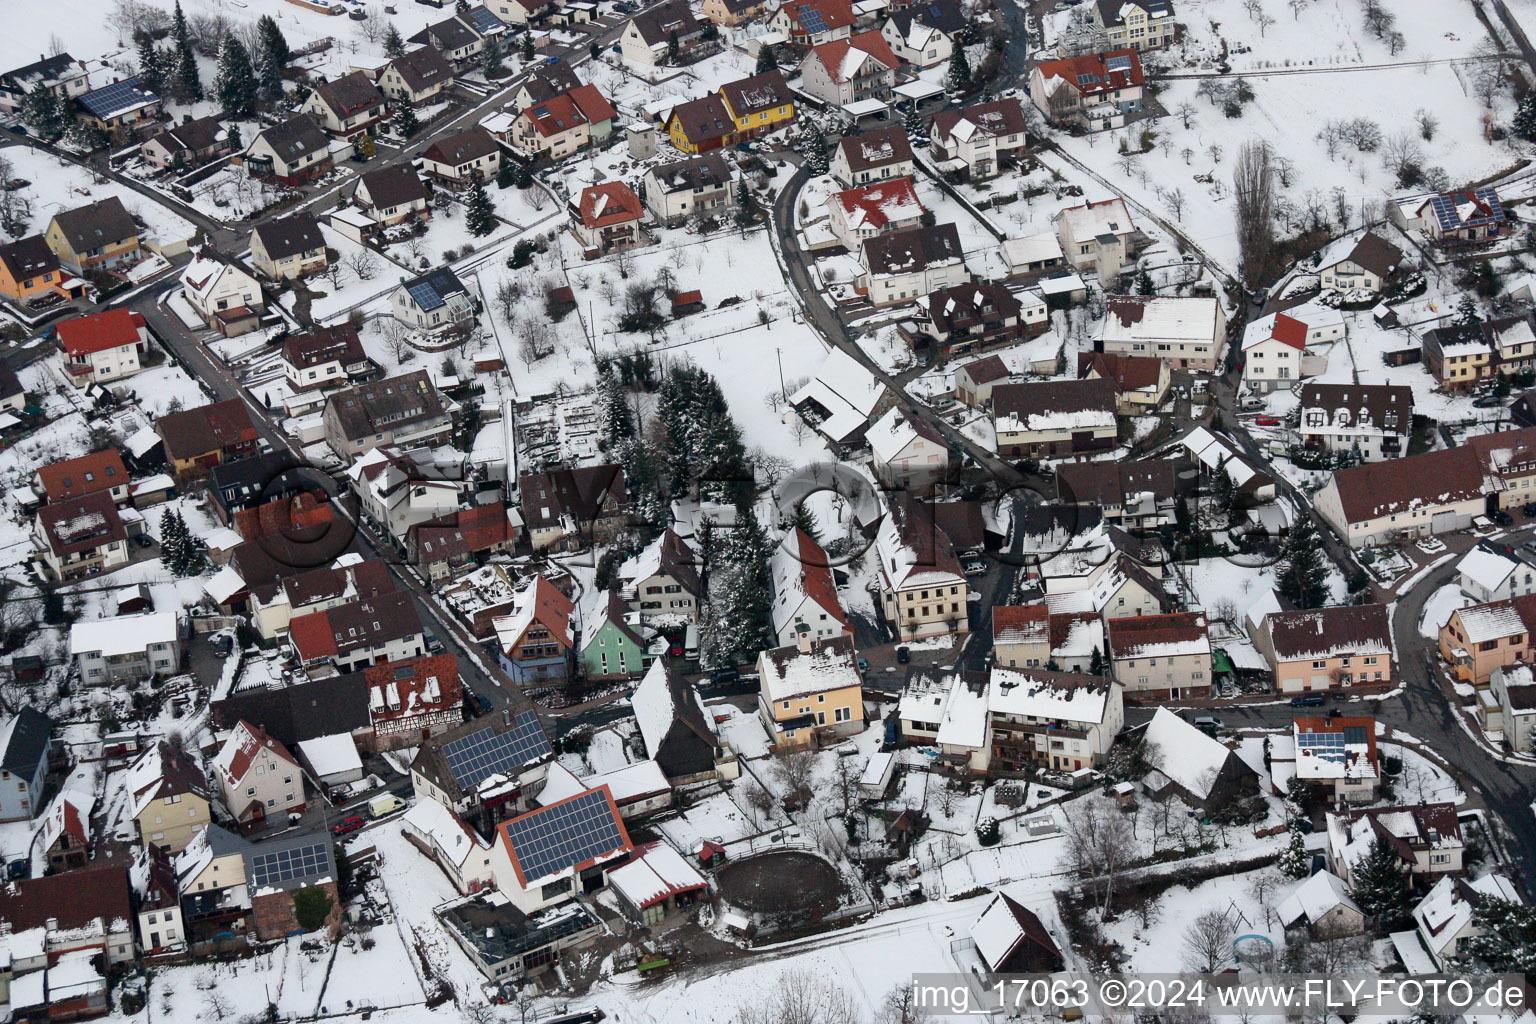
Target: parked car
x=144, y=540
x=433, y=643
x=351, y=824
x=1208, y=725
x=725, y=675
x=903, y=655
x=1528, y=509
x=1307, y=700
x=863, y=664
x=975, y=567
x=1267, y=421
x=1487, y=402
x=1501, y=517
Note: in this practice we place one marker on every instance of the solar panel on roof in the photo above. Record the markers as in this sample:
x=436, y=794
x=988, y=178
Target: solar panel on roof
x=478, y=756
x=1354, y=735
x=117, y=96
x=1325, y=746
x=1121, y=63
x=564, y=835
x=811, y=18
x=424, y=295
x=273, y=869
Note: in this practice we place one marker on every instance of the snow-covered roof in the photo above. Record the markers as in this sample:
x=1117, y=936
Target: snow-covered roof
x=1484, y=622
x=788, y=672
x=892, y=432
x=1188, y=757
x=965, y=717
x=1311, y=899
x=122, y=634
x=335, y=754
x=1018, y=252
x=846, y=389
x=447, y=832
x=1445, y=912
x=1036, y=693
x=1335, y=748
x=1487, y=567
x=1133, y=318
x=879, y=764
x=224, y=584
x=653, y=706
x=1108, y=217
x=923, y=698
x=658, y=872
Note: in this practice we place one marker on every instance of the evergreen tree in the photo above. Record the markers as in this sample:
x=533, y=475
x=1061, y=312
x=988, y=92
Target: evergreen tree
x=1466, y=311
x=766, y=60
x=522, y=177
x=1223, y=494
x=1144, y=283
x=1294, y=861
x=186, y=82
x=613, y=406
x=804, y=519
x=1302, y=575
x=43, y=115
x=1524, y=124
x=394, y=45
x=151, y=66
x=1096, y=662
x=1380, y=886
x=527, y=47
x=492, y=58
x=673, y=47
x=1505, y=942
x=959, y=79
x=236, y=143
x=914, y=123
x=362, y=146
x=405, y=123
x=461, y=6
x=479, y=214
x=235, y=82
x=274, y=44
x=182, y=554
x=815, y=146
x=740, y=596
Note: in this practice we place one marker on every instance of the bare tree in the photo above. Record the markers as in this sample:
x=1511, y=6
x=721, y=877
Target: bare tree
x=800, y=997
x=1100, y=844
x=756, y=802
x=218, y=1004
x=1402, y=154
x=624, y=262
x=333, y=273
x=1253, y=183
x=1175, y=201
x=506, y=298
x=1208, y=943
x=794, y=768
x=1185, y=113
x=363, y=263
x=1297, y=6
x=897, y=1007
x=1428, y=124
x=537, y=197
x=396, y=339
x=372, y=26
x=1264, y=888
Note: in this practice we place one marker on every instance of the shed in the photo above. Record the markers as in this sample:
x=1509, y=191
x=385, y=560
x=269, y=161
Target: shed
x=332, y=759
x=876, y=779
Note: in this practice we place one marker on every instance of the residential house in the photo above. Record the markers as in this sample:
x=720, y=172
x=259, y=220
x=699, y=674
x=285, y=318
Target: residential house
x=280, y=868
x=1462, y=354
x=97, y=236
x=1366, y=267
x=568, y=509
x=1138, y=24
x=652, y=33
x=523, y=12
x=1370, y=422
x=1161, y=657
x=1448, y=915
x=245, y=484
x=412, y=701
x=293, y=153
x=127, y=648
x=1327, y=648
x=80, y=537
x=1201, y=771
x=258, y=777
x=64, y=837
x=1508, y=458
x=347, y=106
x=25, y=743
x=87, y=912
x=534, y=871
x=13, y=396
x=392, y=195
x=662, y=582
x=860, y=213
x=186, y=146
x=1133, y=495
x=1413, y=496
x=1453, y=218
x=162, y=929
x=168, y=797
x=810, y=690
x=437, y=300
x=462, y=158
x=1044, y=419
x=561, y=125
x=1010, y=938
x=358, y=633
x=1097, y=237
x=903, y=265
x=698, y=186
x=839, y=401
x=700, y=125
x=1477, y=640
x=677, y=731
x=1096, y=91
x=758, y=105
x=606, y=218
x=732, y=12
x=1323, y=906
x=1492, y=571
x=873, y=156
x=417, y=78
x=1061, y=721
x=1030, y=257
x=545, y=81
x=924, y=34
x=1510, y=706
x=490, y=788
x=61, y=74
x=196, y=440
x=1033, y=636
x=121, y=110
x=922, y=590
x=1186, y=332
x=1273, y=348
x=907, y=452
x=439, y=548
x=462, y=853
x=614, y=642
x=212, y=880
x=1141, y=382
x=1427, y=838
x=327, y=357
x=288, y=247
x=399, y=490
x=804, y=592
x=967, y=317
x=31, y=274
x=86, y=474
x=455, y=38
x=102, y=347
x=983, y=139
x=224, y=294
x=536, y=642
x=813, y=22
x=1339, y=756
x=975, y=381
x=843, y=71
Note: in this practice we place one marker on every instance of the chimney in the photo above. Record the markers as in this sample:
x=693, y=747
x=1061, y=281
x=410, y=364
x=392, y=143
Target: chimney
x=803, y=638
x=506, y=716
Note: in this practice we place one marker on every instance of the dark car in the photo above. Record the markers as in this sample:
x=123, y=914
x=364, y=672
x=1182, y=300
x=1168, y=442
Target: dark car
x=144, y=540
x=18, y=869
x=1501, y=517
x=1310, y=700
x=903, y=655
x=346, y=825
x=725, y=675
x=1528, y=509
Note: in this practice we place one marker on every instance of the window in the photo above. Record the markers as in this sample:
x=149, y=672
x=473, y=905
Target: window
x=842, y=715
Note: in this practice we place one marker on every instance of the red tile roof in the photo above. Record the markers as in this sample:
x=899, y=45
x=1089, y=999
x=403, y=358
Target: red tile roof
x=404, y=689
x=98, y=471
x=816, y=577
x=1020, y=623
x=835, y=14
x=250, y=740
x=612, y=202
x=1289, y=331
x=1089, y=74
x=880, y=201
x=99, y=332
x=835, y=58
x=284, y=516
x=594, y=106
x=312, y=636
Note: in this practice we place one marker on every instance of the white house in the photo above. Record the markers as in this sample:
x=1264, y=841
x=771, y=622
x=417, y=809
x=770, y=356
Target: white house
x=1494, y=572
x=532, y=872
x=224, y=294
x=924, y=35
x=1364, y=266
x=456, y=848
x=1414, y=496
x=850, y=70
x=856, y=214
x=1185, y=332
x=398, y=491
x=1370, y=422
x=1057, y=720
x=1443, y=919
x=804, y=593
x=873, y=156
x=981, y=138
x=1282, y=348
x=907, y=451
x=903, y=265
x=126, y=647
x=1097, y=237
x=257, y=775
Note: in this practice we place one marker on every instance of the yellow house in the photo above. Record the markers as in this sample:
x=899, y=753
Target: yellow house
x=759, y=105
x=700, y=125
x=810, y=691
x=170, y=797
x=99, y=236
